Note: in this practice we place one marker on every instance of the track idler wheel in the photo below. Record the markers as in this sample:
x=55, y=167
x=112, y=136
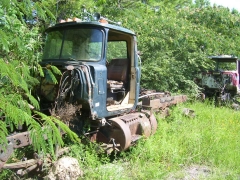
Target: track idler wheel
x=123, y=131
x=145, y=128
x=153, y=122
x=117, y=136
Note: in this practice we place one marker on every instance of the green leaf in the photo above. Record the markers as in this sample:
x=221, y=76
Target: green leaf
x=56, y=70
x=4, y=41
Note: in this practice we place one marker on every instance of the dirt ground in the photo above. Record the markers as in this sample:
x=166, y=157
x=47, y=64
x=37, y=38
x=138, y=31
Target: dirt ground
x=194, y=172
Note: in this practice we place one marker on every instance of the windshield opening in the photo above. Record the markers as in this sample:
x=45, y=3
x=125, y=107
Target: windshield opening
x=227, y=66
x=74, y=44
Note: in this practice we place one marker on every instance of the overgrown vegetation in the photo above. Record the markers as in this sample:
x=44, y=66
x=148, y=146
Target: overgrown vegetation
x=174, y=41
x=210, y=139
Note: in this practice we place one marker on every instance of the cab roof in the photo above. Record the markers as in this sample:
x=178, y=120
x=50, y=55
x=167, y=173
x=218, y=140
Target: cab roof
x=89, y=24
x=224, y=58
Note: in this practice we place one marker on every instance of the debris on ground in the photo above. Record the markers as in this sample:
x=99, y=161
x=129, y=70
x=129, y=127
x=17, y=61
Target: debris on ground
x=188, y=112
x=195, y=172
x=66, y=168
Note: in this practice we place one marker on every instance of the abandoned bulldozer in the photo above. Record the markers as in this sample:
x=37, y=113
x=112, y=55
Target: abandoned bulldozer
x=98, y=92
x=223, y=81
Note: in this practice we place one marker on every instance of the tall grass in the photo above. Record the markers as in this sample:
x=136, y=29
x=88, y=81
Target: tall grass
x=211, y=139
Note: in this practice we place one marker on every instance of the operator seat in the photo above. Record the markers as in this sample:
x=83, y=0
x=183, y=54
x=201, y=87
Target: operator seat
x=117, y=74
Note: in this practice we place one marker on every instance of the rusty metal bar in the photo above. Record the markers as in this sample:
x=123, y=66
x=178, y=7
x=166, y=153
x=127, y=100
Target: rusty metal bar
x=162, y=102
x=20, y=139
x=17, y=141
x=22, y=164
x=22, y=172
x=29, y=165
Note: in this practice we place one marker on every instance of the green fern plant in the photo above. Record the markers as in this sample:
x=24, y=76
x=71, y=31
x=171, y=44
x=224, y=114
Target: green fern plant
x=53, y=127
x=16, y=111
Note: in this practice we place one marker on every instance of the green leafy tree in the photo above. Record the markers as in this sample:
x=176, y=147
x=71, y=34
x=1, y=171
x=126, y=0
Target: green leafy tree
x=20, y=52
x=176, y=41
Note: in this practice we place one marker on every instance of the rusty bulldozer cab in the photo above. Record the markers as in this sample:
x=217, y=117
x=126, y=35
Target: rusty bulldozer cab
x=223, y=81
x=97, y=94
x=104, y=60
x=100, y=72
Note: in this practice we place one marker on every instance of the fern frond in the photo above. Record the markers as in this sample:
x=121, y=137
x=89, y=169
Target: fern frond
x=32, y=82
x=40, y=69
x=25, y=7
x=56, y=70
x=23, y=105
x=37, y=136
x=6, y=3
x=49, y=134
x=33, y=101
x=73, y=136
x=49, y=13
x=17, y=112
x=14, y=115
x=4, y=41
x=8, y=70
x=24, y=71
x=54, y=131
x=50, y=76
x=40, y=10
x=3, y=135
x=18, y=42
x=56, y=124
